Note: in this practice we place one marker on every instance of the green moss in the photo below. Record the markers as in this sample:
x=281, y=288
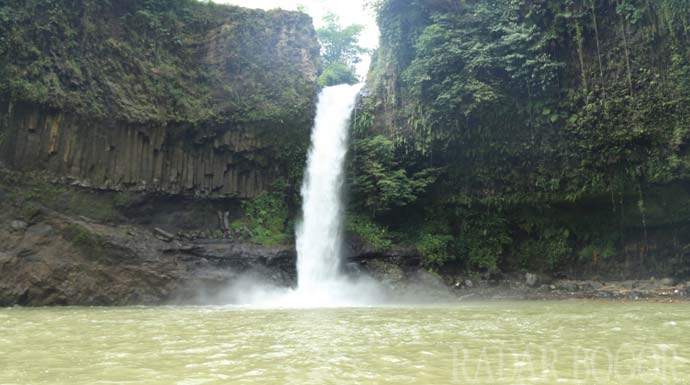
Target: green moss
x=30, y=192
x=90, y=244
x=145, y=61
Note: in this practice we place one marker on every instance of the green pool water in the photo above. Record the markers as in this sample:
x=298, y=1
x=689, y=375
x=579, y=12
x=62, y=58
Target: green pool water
x=570, y=342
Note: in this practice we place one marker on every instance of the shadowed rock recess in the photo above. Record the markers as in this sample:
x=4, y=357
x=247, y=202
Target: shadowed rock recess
x=125, y=122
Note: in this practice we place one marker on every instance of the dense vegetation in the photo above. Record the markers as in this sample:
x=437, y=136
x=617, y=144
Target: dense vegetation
x=538, y=135
x=146, y=61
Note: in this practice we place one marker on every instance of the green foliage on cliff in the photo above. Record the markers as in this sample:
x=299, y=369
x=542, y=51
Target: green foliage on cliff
x=380, y=184
x=549, y=123
x=158, y=61
x=265, y=219
x=337, y=73
x=372, y=233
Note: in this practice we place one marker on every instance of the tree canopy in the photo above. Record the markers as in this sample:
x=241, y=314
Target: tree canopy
x=340, y=51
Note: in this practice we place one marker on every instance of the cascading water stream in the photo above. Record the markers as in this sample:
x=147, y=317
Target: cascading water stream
x=319, y=236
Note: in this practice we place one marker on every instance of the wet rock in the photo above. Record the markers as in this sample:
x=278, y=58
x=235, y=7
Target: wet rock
x=651, y=285
x=387, y=272
x=531, y=279
x=18, y=225
x=40, y=230
x=4, y=257
x=603, y=294
x=424, y=285
x=429, y=279
x=585, y=286
x=163, y=235
x=590, y=285
x=123, y=265
x=568, y=286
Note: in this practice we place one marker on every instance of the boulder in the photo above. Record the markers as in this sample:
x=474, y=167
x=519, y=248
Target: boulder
x=163, y=235
x=531, y=279
x=667, y=282
x=590, y=285
x=567, y=286
x=18, y=225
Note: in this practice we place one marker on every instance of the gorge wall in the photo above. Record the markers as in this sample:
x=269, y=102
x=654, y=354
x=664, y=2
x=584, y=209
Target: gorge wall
x=548, y=136
x=176, y=97
x=135, y=137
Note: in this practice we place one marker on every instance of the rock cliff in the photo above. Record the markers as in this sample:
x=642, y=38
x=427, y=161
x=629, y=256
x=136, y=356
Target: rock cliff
x=541, y=135
x=132, y=133
x=177, y=97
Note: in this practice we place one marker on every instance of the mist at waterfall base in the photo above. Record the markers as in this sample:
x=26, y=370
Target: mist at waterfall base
x=320, y=233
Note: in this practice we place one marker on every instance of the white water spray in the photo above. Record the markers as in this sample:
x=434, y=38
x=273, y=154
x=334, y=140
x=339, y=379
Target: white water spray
x=319, y=236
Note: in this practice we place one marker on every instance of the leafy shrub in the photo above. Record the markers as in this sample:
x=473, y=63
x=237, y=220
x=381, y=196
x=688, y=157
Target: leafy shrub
x=374, y=234
x=483, y=239
x=434, y=248
x=265, y=219
x=597, y=252
x=337, y=73
x=549, y=252
x=380, y=183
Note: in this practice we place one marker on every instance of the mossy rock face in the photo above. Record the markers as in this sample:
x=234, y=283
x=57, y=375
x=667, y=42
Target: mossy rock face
x=90, y=244
x=180, y=97
x=559, y=133
x=158, y=61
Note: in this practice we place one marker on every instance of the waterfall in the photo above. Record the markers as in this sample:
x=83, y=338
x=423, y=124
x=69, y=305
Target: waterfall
x=319, y=235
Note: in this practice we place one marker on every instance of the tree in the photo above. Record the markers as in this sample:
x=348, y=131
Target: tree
x=340, y=51
x=381, y=183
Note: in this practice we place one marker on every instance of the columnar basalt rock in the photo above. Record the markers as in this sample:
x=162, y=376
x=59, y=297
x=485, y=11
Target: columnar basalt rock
x=233, y=163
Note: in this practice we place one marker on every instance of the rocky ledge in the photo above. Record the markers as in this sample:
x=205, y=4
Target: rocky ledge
x=405, y=279
x=55, y=259
x=61, y=260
